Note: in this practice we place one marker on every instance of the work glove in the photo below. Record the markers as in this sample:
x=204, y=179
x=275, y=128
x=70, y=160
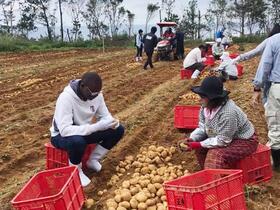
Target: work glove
x=194, y=145
x=204, y=59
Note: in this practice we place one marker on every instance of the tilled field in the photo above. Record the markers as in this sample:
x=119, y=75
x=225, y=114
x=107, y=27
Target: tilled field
x=142, y=100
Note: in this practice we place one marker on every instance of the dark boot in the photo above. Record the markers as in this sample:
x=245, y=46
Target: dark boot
x=276, y=159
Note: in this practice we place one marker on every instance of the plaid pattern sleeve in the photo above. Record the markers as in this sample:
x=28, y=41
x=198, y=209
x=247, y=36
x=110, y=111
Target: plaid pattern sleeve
x=228, y=124
x=199, y=133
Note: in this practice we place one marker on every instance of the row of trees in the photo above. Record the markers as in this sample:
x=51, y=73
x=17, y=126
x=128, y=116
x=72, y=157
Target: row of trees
x=239, y=16
x=107, y=17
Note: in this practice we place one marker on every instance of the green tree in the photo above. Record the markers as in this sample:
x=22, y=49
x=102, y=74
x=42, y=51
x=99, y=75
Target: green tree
x=27, y=19
x=95, y=20
x=275, y=11
x=115, y=14
x=256, y=14
x=218, y=9
x=169, y=6
x=130, y=20
x=189, y=23
x=44, y=15
x=151, y=9
x=8, y=15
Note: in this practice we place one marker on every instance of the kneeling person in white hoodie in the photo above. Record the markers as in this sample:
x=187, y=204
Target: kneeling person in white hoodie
x=227, y=68
x=73, y=127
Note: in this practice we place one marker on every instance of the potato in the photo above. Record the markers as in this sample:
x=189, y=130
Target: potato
x=158, y=185
x=118, y=198
x=152, y=188
x=172, y=150
x=136, y=164
x=167, y=159
x=129, y=157
x=125, y=204
x=100, y=193
x=125, y=195
x=141, y=197
x=160, y=149
x=111, y=208
x=145, y=170
x=121, y=208
x=161, y=208
x=89, y=203
x=160, y=192
x=151, y=155
x=142, y=206
x=127, y=167
x=157, y=160
x=163, y=198
x=134, y=190
x=122, y=170
x=164, y=154
x=157, y=179
x=133, y=203
x=111, y=203
x=152, y=148
x=150, y=202
x=152, y=167
x=152, y=208
x=126, y=184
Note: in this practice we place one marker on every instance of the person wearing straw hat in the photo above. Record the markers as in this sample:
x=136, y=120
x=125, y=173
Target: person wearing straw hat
x=225, y=135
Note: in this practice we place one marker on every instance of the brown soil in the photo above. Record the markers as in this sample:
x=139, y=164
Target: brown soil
x=142, y=100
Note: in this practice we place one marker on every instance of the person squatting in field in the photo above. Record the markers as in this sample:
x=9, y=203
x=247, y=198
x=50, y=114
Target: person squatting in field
x=194, y=60
x=73, y=126
x=225, y=135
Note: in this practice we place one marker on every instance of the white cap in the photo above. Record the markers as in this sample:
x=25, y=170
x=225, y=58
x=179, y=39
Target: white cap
x=219, y=40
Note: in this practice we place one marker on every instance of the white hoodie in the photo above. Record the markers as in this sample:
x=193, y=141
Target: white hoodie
x=73, y=116
x=228, y=65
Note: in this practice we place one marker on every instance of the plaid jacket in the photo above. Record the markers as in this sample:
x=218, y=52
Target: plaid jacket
x=229, y=123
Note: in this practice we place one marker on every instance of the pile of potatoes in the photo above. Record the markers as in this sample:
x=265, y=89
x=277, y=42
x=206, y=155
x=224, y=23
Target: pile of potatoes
x=190, y=99
x=144, y=190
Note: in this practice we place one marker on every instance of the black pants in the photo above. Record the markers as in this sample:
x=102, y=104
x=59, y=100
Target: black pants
x=197, y=66
x=139, y=51
x=149, y=60
x=76, y=145
x=217, y=57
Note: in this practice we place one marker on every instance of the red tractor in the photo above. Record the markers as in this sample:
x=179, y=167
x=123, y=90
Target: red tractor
x=166, y=47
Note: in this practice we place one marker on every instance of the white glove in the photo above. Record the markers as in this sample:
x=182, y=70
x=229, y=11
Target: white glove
x=204, y=59
x=236, y=60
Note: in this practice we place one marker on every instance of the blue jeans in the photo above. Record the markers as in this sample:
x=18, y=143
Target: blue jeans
x=76, y=145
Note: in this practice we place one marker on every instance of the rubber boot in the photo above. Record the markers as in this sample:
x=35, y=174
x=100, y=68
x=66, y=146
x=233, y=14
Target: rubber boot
x=96, y=155
x=195, y=74
x=84, y=179
x=276, y=159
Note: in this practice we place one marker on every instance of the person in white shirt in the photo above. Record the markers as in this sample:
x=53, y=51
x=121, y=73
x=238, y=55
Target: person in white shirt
x=139, y=45
x=218, y=49
x=227, y=68
x=73, y=127
x=194, y=60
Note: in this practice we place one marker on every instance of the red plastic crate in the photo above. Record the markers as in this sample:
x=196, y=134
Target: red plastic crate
x=186, y=116
x=56, y=158
x=51, y=190
x=233, y=55
x=186, y=73
x=239, y=70
x=256, y=167
x=210, y=189
x=210, y=61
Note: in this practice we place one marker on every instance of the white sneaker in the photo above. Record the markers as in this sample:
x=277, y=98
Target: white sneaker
x=136, y=59
x=84, y=179
x=96, y=155
x=195, y=74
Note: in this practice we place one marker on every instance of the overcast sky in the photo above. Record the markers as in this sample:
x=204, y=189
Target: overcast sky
x=138, y=7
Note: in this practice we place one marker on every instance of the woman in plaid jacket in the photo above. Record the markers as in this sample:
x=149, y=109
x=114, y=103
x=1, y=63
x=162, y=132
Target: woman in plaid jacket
x=225, y=135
